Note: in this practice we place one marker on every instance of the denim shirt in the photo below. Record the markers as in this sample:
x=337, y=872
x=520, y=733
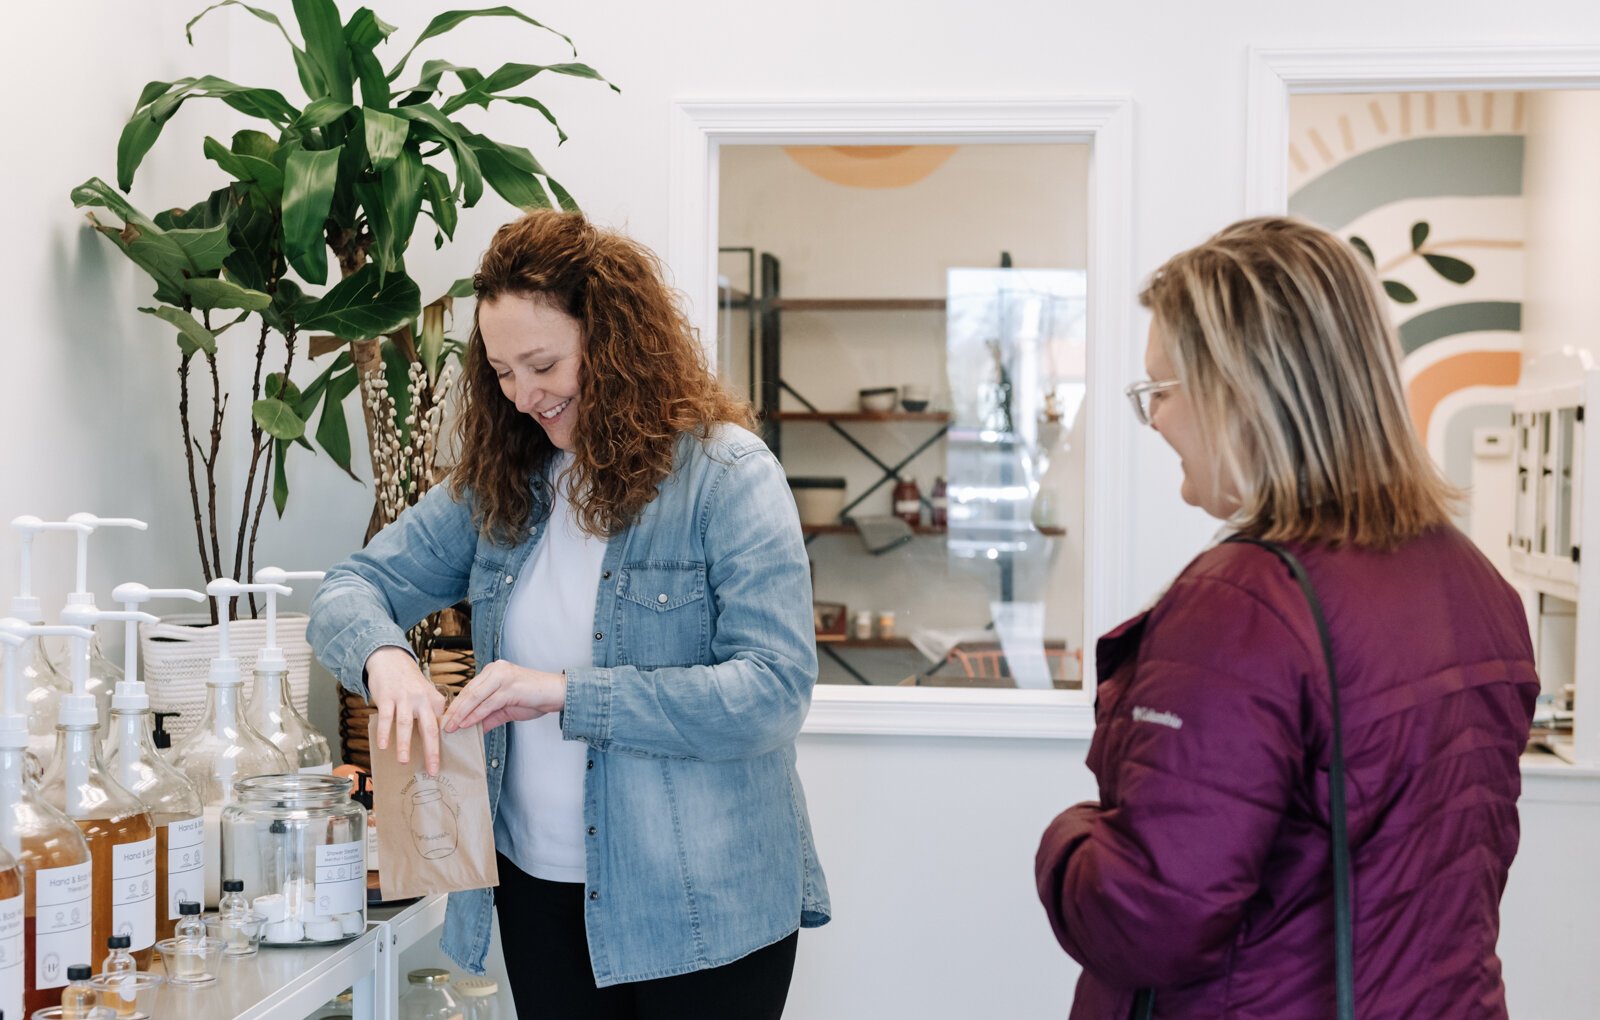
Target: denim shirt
x=698, y=847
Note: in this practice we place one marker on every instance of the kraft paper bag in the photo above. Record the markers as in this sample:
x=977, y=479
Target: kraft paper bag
x=434, y=832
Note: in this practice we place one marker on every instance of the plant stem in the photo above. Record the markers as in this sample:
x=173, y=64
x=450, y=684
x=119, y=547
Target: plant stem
x=194, y=490
x=219, y=409
x=255, y=524
x=256, y=444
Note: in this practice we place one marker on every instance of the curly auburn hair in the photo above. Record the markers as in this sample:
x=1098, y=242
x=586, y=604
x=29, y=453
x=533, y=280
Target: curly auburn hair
x=642, y=379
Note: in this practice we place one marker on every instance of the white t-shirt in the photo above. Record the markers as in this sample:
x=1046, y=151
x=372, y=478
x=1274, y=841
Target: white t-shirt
x=548, y=626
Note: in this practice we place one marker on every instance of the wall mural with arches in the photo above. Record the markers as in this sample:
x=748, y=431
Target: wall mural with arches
x=1428, y=186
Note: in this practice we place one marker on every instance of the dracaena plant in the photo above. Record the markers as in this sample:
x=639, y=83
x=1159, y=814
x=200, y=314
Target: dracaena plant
x=357, y=177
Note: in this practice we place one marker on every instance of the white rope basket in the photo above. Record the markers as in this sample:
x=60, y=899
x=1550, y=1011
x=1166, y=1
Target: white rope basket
x=176, y=656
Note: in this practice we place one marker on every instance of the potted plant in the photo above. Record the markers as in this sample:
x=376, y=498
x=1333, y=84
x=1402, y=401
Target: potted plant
x=355, y=169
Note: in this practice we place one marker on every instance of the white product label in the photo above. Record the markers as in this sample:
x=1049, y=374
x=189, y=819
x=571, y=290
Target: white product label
x=11, y=956
x=325, y=769
x=61, y=932
x=133, y=892
x=186, y=863
x=907, y=506
x=341, y=879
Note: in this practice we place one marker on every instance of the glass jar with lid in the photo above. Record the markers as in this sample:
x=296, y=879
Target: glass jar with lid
x=479, y=995
x=429, y=997
x=298, y=843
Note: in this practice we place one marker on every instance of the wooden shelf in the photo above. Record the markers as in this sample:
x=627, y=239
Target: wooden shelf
x=849, y=528
x=858, y=304
x=861, y=416
x=840, y=641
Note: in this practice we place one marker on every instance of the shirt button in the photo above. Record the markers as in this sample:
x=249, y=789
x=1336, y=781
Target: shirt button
x=509, y=579
x=662, y=598
x=591, y=764
x=598, y=635
x=494, y=763
x=592, y=830
x=594, y=895
x=605, y=575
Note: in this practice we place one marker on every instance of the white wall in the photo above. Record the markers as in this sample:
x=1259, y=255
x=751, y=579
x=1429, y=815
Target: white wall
x=965, y=936
x=1562, y=305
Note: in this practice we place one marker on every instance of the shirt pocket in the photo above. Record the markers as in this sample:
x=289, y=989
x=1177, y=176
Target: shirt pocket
x=661, y=614
x=486, y=576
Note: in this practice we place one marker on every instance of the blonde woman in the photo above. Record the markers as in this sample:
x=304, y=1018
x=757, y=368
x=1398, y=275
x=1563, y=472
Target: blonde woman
x=1200, y=883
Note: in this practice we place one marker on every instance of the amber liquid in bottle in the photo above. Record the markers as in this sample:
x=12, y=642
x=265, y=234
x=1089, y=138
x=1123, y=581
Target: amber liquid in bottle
x=103, y=834
x=40, y=853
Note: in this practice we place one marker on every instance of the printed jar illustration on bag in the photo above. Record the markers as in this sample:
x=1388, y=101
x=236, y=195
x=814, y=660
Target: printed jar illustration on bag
x=431, y=817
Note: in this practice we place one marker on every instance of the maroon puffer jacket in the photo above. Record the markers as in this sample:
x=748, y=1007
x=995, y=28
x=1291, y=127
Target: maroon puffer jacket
x=1204, y=869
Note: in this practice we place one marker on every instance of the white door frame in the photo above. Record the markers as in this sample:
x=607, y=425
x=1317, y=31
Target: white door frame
x=1275, y=73
x=701, y=127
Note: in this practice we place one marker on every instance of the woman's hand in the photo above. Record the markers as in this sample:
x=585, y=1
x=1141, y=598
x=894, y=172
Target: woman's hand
x=404, y=699
x=502, y=692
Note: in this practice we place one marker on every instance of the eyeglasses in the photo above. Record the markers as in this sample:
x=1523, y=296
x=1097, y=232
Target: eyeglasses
x=1140, y=395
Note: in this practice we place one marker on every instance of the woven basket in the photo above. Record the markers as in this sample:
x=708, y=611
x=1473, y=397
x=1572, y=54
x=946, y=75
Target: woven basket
x=450, y=666
x=176, y=655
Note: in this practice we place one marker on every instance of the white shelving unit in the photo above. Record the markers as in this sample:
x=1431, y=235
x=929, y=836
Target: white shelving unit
x=280, y=984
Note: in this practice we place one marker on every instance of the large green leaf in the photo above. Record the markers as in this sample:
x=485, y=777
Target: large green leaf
x=450, y=19
x=508, y=175
x=257, y=257
x=210, y=292
x=324, y=36
x=392, y=207
x=192, y=336
x=213, y=211
x=441, y=203
x=461, y=288
x=437, y=127
x=289, y=306
x=158, y=107
x=320, y=113
x=310, y=78
x=366, y=304
x=251, y=171
x=278, y=419
x=386, y=136
x=362, y=34
x=280, y=477
x=510, y=76
x=333, y=433
x=308, y=184
x=169, y=257
x=563, y=199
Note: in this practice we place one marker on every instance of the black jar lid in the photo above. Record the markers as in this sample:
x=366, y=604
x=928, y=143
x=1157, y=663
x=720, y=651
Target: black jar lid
x=79, y=972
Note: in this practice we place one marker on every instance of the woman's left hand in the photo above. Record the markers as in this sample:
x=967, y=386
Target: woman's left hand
x=503, y=692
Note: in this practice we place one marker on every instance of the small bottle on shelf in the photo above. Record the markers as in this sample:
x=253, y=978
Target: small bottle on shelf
x=233, y=902
x=118, y=960
x=78, y=998
x=190, y=928
x=940, y=498
x=908, y=501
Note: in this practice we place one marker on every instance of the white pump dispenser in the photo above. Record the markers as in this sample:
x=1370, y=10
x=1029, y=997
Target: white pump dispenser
x=116, y=823
x=224, y=748
x=132, y=758
x=42, y=683
x=50, y=851
x=271, y=710
x=103, y=673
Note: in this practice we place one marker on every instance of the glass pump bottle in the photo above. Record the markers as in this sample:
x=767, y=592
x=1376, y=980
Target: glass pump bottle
x=271, y=710
x=42, y=683
x=223, y=748
x=103, y=673
x=132, y=759
x=51, y=853
x=118, y=828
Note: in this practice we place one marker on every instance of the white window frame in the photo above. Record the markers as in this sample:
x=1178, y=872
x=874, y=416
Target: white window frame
x=700, y=127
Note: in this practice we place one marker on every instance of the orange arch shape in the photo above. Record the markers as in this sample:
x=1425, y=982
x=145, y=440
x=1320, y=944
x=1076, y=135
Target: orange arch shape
x=1471, y=368
x=871, y=166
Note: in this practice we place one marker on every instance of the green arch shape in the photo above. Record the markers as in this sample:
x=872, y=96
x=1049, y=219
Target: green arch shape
x=1466, y=317
x=1473, y=165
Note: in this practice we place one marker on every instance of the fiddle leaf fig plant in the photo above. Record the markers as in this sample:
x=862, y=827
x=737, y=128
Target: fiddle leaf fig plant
x=368, y=159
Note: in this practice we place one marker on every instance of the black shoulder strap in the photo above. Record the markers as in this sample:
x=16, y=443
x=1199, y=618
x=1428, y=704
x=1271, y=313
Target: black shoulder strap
x=1343, y=940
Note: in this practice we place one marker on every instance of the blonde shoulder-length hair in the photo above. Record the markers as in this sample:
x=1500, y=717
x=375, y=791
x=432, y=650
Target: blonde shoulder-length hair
x=1280, y=340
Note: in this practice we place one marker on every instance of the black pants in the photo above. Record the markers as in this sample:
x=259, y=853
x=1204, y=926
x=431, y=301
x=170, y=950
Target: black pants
x=547, y=959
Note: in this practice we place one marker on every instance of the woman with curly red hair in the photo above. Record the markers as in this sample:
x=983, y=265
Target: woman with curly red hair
x=642, y=605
